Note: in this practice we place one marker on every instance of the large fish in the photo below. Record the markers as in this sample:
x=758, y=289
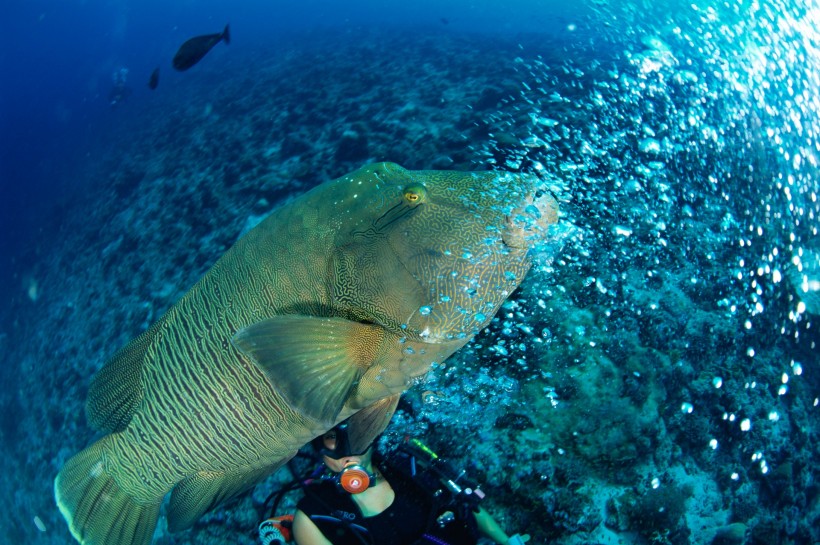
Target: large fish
x=329, y=309
x=192, y=51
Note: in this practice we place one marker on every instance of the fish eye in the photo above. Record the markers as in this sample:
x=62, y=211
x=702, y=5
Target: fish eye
x=414, y=194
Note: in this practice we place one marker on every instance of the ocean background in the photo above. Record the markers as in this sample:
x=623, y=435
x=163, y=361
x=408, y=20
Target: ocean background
x=655, y=378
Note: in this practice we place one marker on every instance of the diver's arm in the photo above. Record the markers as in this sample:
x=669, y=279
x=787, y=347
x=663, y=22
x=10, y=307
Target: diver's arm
x=305, y=532
x=488, y=527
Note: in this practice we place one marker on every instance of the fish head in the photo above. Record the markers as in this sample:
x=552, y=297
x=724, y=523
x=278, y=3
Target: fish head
x=432, y=255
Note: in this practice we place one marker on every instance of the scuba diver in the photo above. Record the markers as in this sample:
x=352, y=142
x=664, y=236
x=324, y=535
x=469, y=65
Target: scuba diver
x=120, y=91
x=413, y=497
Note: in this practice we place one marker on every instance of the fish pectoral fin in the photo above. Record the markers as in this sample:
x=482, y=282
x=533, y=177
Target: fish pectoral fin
x=204, y=490
x=313, y=362
x=364, y=426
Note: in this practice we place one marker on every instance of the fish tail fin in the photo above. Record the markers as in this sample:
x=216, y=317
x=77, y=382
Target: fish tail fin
x=97, y=510
x=226, y=34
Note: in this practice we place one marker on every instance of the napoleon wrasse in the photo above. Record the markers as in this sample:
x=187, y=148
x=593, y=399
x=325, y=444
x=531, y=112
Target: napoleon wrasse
x=329, y=309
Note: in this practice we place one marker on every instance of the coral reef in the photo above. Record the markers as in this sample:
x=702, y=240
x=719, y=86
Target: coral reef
x=650, y=382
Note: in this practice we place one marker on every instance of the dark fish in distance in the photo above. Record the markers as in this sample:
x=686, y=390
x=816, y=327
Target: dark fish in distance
x=192, y=51
x=154, y=80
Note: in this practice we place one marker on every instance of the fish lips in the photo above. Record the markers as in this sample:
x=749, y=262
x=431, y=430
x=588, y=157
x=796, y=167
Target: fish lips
x=526, y=224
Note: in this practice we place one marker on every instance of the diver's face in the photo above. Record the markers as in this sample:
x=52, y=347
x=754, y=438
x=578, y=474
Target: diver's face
x=338, y=464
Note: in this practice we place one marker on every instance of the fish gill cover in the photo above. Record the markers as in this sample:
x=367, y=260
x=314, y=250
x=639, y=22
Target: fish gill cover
x=655, y=378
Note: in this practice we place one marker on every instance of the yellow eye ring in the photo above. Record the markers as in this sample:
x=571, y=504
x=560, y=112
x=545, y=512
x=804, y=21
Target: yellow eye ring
x=414, y=194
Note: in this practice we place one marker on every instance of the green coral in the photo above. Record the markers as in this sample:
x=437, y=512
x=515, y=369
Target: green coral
x=596, y=420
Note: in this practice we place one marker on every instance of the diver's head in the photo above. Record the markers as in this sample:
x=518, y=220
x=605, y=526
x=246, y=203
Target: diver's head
x=352, y=466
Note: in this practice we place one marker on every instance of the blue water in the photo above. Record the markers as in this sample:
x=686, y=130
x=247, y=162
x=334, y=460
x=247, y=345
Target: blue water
x=654, y=380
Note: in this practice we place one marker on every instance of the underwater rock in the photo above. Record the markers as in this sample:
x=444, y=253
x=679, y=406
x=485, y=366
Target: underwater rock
x=744, y=505
x=294, y=145
x=513, y=421
x=570, y=511
x=490, y=97
x=352, y=146
x=778, y=486
x=765, y=532
x=731, y=534
x=656, y=511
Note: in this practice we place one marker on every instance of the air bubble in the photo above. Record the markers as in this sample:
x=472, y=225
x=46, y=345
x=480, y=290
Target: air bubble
x=649, y=146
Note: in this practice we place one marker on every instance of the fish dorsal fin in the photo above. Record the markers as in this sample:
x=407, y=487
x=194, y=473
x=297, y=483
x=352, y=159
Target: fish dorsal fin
x=313, y=362
x=117, y=388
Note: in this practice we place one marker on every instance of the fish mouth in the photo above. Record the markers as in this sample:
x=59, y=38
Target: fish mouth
x=526, y=224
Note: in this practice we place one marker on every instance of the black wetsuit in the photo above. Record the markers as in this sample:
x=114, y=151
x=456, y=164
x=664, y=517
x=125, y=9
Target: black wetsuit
x=412, y=518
